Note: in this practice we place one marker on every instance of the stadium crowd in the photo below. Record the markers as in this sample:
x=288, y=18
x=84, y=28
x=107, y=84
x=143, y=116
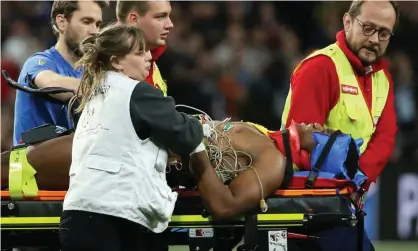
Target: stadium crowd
x=230, y=59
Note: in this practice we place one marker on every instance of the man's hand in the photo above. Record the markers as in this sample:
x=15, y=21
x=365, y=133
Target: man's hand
x=320, y=128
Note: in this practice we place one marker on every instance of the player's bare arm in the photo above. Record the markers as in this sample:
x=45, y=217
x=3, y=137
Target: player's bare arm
x=245, y=192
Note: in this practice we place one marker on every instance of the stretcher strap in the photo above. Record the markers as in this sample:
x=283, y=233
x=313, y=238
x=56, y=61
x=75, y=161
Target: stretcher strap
x=289, y=160
x=313, y=174
x=358, y=198
x=351, y=206
x=22, y=182
x=250, y=233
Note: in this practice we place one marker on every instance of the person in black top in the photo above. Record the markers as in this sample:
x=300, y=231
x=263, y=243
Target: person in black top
x=120, y=148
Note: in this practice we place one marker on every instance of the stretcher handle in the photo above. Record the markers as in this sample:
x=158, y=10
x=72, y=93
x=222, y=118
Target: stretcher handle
x=360, y=195
x=27, y=89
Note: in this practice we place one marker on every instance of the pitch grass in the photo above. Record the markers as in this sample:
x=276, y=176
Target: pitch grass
x=379, y=246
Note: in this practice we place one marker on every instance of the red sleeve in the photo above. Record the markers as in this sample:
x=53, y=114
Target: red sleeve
x=315, y=91
x=381, y=145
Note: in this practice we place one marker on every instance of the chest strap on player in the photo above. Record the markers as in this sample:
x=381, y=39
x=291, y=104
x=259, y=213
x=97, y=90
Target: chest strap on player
x=289, y=160
x=313, y=173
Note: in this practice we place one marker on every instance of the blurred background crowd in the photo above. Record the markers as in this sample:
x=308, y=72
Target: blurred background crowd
x=232, y=59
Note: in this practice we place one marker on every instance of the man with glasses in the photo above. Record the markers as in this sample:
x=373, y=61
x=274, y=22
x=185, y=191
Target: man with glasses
x=347, y=86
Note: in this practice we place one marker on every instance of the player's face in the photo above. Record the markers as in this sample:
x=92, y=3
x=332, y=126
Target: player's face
x=359, y=30
x=305, y=134
x=135, y=65
x=84, y=22
x=156, y=23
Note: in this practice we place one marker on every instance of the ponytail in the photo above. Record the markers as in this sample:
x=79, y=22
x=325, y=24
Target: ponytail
x=94, y=71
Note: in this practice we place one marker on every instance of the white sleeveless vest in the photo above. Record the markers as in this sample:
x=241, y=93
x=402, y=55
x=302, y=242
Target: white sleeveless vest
x=113, y=172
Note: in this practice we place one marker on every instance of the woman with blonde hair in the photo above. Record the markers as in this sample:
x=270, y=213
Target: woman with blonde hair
x=118, y=184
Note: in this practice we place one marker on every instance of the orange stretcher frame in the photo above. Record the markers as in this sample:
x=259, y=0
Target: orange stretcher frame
x=44, y=195
x=295, y=221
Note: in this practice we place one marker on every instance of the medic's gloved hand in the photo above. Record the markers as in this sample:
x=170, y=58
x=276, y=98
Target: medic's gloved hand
x=207, y=130
x=360, y=178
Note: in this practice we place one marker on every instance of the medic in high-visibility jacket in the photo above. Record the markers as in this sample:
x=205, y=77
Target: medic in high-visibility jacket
x=347, y=86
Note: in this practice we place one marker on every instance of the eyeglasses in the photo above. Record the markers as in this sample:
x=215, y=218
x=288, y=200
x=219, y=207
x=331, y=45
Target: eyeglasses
x=370, y=30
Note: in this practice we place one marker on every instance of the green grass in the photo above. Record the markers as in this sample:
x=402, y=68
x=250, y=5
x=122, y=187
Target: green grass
x=395, y=246
x=379, y=246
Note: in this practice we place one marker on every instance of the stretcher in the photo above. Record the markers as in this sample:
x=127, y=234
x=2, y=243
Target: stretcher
x=299, y=213
x=296, y=213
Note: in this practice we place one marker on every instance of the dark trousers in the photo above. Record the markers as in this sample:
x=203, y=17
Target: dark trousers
x=85, y=231
x=343, y=239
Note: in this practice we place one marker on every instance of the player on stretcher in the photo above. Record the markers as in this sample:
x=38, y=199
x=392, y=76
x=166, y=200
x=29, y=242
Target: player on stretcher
x=246, y=156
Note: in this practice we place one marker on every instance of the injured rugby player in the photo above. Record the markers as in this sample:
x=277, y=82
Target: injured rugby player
x=247, y=156
x=250, y=159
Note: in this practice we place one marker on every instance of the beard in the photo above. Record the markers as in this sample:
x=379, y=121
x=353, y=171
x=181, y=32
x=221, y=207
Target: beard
x=373, y=48
x=73, y=43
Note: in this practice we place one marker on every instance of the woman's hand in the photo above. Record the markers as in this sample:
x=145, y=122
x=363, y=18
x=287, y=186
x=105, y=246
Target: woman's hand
x=173, y=157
